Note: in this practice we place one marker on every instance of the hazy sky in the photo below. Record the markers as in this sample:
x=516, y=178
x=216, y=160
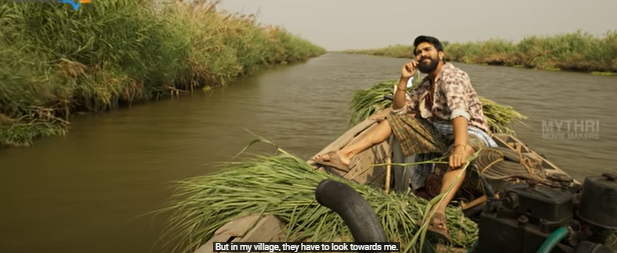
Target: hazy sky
x=359, y=24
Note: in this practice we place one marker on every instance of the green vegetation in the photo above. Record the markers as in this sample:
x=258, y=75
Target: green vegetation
x=369, y=101
x=577, y=51
x=55, y=61
x=284, y=185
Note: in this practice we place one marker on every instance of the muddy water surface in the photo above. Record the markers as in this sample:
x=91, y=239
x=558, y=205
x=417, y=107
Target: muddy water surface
x=89, y=191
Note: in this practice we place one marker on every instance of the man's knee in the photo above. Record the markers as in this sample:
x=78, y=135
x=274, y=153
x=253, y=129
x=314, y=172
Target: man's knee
x=385, y=122
x=476, y=143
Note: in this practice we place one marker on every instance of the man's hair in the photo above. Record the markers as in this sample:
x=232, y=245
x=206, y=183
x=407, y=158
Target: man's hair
x=432, y=40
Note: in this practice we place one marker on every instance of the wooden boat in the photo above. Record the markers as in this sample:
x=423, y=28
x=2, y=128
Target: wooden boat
x=269, y=229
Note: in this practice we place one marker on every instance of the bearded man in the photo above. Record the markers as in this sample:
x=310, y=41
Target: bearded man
x=443, y=114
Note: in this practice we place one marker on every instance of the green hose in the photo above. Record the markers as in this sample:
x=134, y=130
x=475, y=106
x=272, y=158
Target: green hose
x=553, y=239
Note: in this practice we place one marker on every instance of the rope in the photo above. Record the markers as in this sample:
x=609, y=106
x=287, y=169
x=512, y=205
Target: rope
x=503, y=164
x=490, y=164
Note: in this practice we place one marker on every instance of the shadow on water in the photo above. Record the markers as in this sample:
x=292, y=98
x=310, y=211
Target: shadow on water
x=86, y=191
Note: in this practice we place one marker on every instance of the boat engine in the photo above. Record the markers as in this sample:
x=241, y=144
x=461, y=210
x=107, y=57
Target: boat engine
x=530, y=217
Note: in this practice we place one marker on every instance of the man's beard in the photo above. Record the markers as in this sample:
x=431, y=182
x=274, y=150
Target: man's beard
x=427, y=67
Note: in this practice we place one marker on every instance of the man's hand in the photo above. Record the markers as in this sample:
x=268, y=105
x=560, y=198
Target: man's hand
x=409, y=70
x=459, y=156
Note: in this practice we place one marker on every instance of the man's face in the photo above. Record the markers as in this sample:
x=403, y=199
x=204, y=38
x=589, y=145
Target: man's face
x=428, y=57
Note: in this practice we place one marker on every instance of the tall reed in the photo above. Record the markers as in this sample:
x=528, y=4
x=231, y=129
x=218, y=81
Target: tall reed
x=576, y=51
x=55, y=61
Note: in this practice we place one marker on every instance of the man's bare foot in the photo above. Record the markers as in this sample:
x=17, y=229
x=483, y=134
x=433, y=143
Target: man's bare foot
x=334, y=158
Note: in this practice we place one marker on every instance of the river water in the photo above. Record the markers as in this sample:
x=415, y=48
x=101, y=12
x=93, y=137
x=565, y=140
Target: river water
x=91, y=190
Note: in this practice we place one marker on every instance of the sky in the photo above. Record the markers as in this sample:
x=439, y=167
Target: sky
x=365, y=24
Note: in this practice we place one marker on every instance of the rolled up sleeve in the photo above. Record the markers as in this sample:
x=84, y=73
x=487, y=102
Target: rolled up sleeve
x=411, y=103
x=456, y=97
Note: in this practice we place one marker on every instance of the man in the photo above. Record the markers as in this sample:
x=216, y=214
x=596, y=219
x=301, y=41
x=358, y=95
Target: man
x=443, y=114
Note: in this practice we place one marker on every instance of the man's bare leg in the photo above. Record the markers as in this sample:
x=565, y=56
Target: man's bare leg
x=449, y=178
x=377, y=135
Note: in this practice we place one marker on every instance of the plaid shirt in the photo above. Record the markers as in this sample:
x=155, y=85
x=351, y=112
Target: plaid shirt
x=454, y=96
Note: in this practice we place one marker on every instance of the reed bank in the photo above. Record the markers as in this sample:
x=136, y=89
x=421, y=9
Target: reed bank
x=576, y=51
x=56, y=61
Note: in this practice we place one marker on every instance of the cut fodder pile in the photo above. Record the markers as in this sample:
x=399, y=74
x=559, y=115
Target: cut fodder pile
x=284, y=185
x=369, y=101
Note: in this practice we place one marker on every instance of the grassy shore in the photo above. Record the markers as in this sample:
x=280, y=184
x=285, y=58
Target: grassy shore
x=577, y=51
x=55, y=61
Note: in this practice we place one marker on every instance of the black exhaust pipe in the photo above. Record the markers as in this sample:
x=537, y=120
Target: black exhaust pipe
x=353, y=209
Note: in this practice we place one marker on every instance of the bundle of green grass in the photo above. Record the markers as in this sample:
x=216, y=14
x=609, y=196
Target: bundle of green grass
x=284, y=185
x=369, y=101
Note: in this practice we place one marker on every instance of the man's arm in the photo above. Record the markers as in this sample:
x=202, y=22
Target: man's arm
x=399, y=99
x=405, y=102
x=460, y=131
x=459, y=108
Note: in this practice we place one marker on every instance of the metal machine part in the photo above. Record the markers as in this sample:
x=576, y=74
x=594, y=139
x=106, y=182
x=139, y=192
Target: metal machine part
x=590, y=247
x=529, y=218
x=523, y=218
x=598, y=205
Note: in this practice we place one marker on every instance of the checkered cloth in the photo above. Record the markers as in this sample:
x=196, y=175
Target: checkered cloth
x=422, y=140
x=448, y=129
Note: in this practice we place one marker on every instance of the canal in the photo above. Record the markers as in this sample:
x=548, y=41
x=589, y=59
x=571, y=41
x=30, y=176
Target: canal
x=92, y=190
